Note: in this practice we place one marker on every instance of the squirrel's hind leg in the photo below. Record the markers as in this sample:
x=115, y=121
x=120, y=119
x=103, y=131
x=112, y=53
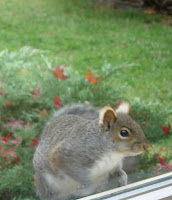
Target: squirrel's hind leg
x=59, y=186
x=42, y=188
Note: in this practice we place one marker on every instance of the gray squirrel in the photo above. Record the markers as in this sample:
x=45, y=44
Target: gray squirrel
x=81, y=147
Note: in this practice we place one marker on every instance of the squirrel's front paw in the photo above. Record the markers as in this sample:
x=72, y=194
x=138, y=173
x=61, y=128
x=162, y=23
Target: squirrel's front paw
x=122, y=177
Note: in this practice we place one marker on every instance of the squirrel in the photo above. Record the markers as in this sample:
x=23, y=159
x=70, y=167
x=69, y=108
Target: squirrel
x=81, y=147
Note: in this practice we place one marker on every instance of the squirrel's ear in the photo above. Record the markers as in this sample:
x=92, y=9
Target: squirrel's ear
x=124, y=108
x=107, y=117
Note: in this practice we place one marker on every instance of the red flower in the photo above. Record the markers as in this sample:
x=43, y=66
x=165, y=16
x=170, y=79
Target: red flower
x=6, y=154
x=6, y=139
x=2, y=93
x=92, y=79
x=164, y=165
x=13, y=154
x=14, y=123
x=37, y=92
x=8, y=103
x=116, y=105
x=34, y=144
x=166, y=129
x=57, y=101
x=59, y=72
x=35, y=141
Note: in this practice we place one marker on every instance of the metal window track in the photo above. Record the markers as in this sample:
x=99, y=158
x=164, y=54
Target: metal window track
x=159, y=187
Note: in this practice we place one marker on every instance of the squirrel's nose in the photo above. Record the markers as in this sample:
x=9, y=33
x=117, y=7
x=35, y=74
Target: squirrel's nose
x=145, y=146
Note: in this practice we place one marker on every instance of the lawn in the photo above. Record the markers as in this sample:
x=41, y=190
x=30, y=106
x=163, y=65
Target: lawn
x=127, y=49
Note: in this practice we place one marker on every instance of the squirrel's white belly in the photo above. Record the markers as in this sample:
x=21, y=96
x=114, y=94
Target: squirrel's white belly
x=104, y=166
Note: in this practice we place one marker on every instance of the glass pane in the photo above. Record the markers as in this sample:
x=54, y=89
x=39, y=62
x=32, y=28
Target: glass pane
x=153, y=188
x=96, y=54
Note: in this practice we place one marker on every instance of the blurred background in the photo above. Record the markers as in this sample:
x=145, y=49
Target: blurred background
x=57, y=52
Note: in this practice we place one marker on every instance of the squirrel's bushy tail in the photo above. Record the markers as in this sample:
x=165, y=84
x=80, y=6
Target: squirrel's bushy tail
x=82, y=110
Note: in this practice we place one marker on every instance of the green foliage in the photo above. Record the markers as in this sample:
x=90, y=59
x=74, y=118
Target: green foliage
x=17, y=180
x=151, y=116
x=23, y=71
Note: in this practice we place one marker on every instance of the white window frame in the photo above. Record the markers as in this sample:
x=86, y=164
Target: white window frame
x=159, y=187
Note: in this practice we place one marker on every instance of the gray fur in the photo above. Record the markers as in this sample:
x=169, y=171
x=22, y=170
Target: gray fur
x=83, y=110
x=75, y=132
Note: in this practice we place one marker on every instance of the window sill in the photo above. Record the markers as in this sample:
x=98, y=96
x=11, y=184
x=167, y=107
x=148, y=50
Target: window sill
x=159, y=187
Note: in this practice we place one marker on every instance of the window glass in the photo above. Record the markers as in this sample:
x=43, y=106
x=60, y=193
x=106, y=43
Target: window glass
x=66, y=67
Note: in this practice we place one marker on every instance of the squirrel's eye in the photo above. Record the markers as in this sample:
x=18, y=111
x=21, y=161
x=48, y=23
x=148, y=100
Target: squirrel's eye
x=124, y=133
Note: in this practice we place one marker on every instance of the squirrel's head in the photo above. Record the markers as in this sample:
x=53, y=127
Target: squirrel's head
x=125, y=133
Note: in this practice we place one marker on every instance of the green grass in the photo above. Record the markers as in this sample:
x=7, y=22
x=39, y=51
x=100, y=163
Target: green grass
x=130, y=48
x=81, y=35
